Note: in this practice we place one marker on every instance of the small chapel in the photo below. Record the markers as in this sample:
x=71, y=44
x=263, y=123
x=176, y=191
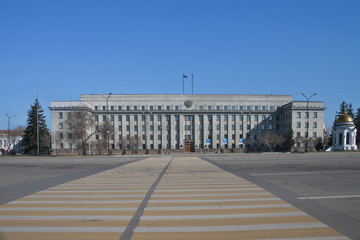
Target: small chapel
x=344, y=134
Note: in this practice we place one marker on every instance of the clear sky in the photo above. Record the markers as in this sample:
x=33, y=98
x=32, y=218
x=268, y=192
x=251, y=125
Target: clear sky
x=65, y=48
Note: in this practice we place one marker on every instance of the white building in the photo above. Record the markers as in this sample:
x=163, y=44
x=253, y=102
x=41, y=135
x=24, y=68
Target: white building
x=344, y=135
x=191, y=122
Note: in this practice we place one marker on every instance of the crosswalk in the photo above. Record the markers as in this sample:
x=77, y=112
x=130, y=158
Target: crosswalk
x=190, y=199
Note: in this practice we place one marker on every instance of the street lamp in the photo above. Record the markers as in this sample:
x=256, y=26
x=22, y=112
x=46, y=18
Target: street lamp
x=9, y=117
x=107, y=118
x=307, y=120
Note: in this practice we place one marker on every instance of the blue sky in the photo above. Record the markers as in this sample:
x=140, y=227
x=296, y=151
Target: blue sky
x=66, y=48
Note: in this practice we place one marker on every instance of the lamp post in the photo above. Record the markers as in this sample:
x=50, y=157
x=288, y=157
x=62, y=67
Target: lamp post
x=307, y=120
x=107, y=118
x=9, y=117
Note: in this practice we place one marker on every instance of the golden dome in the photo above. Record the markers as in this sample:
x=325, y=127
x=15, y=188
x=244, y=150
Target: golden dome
x=343, y=118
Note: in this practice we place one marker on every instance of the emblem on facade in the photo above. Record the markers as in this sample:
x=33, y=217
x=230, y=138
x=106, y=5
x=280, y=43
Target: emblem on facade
x=188, y=103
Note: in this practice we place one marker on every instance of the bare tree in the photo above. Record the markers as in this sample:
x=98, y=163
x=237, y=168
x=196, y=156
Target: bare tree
x=299, y=142
x=107, y=133
x=271, y=140
x=130, y=142
x=81, y=128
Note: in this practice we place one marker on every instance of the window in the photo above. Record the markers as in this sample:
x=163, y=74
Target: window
x=61, y=126
x=256, y=117
x=217, y=108
x=248, y=117
x=225, y=127
x=241, y=117
x=209, y=118
x=241, y=108
x=262, y=127
x=151, y=117
x=209, y=127
x=298, y=115
x=143, y=128
x=218, y=117
x=298, y=124
x=233, y=117
x=225, y=108
x=103, y=108
x=270, y=127
x=263, y=108
x=315, y=114
x=177, y=108
x=159, y=127
x=248, y=108
x=135, y=108
x=127, y=108
x=263, y=117
x=60, y=115
x=143, y=117
x=135, y=117
x=226, y=117
x=96, y=118
x=233, y=108
x=112, y=117
x=127, y=128
x=209, y=108
x=241, y=127
x=112, y=108
x=176, y=117
x=159, y=108
x=298, y=134
x=270, y=117
x=151, y=108
x=167, y=117
x=119, y=118
x=256, y=108
x=159, y=137
x=135, y=128
x=151, y=127
x=159, y=117
x=104, y=117
x=119, y=108
x=306, y=125
x=119, y=128
x=248, y=127
x=314, y=134
x=306, y=115
x=271, y=108
x=61, y=136
x=96, y=108
x=168, y=108
x=232, y=127
x=143, y=108
x=127, y=117
x=201, y=108
x=218, y=127
x=314, y=124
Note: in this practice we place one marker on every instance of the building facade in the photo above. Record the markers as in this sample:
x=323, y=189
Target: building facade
x=11, y=141
x=189, y=122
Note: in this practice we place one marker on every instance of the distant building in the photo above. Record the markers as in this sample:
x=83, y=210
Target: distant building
x=190, y=122
x=344, y=135
x=11, y=141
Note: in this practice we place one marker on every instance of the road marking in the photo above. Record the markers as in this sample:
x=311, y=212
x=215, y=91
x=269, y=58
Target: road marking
x=225, y=216
x=214, y=194
x=214, y=200
x=67, y=217
x=309, y=238
x=62, y=229
x=220, y=207
x=277, y=174
x=256, y=227
x=330, y=197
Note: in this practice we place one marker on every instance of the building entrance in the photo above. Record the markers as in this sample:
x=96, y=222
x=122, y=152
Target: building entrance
x=189, y=146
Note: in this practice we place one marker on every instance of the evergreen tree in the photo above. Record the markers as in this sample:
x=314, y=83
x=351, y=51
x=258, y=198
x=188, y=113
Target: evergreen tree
x=342, y=108
x=350, y=110
x=36, y=118
x=357, y=125
x=289, y=142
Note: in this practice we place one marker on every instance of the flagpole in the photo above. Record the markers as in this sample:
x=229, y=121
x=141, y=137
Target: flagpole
x=192, y=83
x=183, y=84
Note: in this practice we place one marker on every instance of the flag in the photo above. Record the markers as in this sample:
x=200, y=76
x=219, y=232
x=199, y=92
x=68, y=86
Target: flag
x=184, y=76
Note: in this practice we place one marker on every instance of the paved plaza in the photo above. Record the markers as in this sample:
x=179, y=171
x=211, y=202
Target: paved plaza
x=260, y=196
